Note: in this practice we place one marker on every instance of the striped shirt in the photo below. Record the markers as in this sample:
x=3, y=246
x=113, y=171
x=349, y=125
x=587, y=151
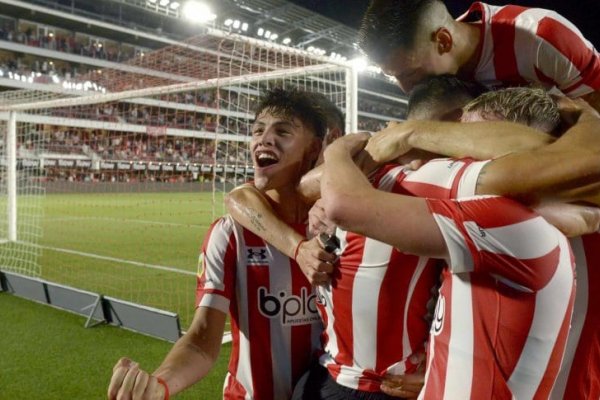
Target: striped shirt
x=520, y=45
x=497, y=289
x=505, y=304
x=374, y=309
x=274, y=320
x=579, y=377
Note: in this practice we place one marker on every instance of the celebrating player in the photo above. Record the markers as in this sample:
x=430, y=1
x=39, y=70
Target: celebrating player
x=508, y=45
x=517, y=175
x=275, y=325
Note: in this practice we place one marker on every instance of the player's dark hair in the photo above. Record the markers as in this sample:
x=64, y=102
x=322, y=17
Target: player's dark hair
x=443, y=92
x=391, y=24
x=294, y=103
x=335, y=116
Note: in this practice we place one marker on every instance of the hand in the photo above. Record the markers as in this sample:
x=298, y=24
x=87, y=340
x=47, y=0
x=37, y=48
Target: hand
x=129, y=382
x=318, y=222
x=315, y=262
x=407, y=386
x=390, y=143
x=571, y=219
x=351, y=143
x=569, y=111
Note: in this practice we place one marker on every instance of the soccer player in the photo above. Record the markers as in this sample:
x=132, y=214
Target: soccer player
x=356, y=350
x=496, y=45
x=516, y=175
x=504, y=262
x=247, y=205
x=275, y=325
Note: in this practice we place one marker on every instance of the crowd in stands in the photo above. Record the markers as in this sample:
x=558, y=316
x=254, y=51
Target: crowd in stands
x=67, y=43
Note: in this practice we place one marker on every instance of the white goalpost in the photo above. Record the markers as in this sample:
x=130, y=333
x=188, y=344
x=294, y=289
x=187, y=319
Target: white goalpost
x=110, y=182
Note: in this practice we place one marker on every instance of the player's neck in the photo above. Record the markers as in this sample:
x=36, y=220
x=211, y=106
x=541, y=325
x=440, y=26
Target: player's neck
x=469, y=37
x=287, y=204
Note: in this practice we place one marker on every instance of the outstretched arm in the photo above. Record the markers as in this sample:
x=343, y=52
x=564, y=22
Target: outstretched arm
x=479, y=140
x=555, y=170
x=190, y=359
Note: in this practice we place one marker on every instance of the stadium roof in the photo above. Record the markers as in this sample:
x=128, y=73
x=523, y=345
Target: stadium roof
x=303, y=27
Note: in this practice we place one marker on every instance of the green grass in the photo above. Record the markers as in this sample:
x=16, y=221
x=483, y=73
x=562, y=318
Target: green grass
x=162, y=229
x=47, y=354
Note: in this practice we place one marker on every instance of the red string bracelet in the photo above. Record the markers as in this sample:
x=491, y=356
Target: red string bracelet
x=298, y=248
x=162, y=382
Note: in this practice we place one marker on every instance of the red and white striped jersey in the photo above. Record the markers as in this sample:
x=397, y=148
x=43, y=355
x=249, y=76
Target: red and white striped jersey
x=579, y=377
x=374, y=309
x=505, y=304
x=274, y=319
x=522, y=45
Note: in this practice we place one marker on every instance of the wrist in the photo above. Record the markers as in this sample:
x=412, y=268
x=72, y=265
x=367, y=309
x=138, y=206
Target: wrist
x=297, y=249
x=163, y=383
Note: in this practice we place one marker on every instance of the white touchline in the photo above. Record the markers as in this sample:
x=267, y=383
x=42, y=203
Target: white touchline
x=227, y=337
x=136, y=221
x=114, y=259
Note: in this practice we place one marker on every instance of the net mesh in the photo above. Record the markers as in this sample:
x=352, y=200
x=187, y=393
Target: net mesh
x=134, y=160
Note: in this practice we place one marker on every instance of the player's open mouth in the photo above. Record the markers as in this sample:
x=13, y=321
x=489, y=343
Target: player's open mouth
x=265, y=158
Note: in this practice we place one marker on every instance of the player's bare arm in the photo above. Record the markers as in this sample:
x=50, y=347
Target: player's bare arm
x=190, y=359
x=309, y=187
x=479, y=140
x=570, y=162
x=353, y=204
x=248, y=206
x=593, y=99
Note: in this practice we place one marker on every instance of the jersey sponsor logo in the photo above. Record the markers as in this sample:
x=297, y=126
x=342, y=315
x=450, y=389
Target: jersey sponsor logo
x=437, y=325
x=292, y=309
x=256, y=255
x=481, y=231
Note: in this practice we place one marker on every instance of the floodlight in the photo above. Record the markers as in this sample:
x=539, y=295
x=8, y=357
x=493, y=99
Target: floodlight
x=245, y=26
x=164, y=2
x=287, y=40
x=274, y=36
x=236, y=24
x=360, y=63
x=174, y=5
x=198, y=12
x=260, y=31
x=267, y=34
x=228, y=22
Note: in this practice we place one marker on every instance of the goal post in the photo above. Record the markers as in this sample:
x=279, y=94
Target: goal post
x=111, y=181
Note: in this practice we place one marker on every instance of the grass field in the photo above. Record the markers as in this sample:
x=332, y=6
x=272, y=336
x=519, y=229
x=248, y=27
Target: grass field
x=140, y=247
x=47, y=354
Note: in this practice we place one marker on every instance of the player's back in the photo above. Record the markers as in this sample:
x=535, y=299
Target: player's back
x=506, y=299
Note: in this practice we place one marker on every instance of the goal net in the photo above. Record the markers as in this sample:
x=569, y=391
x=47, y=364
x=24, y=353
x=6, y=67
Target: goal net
x=114, y=178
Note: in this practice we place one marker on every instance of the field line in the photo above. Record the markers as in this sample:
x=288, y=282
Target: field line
x=137, y=221
x=116, y=260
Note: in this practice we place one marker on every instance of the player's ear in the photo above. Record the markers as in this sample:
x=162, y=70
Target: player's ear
x=443, y=40
x=315, y=147
x=332, y=134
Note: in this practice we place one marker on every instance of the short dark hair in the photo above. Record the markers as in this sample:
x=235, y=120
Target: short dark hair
x=335, y=116
x=294, y=103
x=391, y=24
x=441, y=92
